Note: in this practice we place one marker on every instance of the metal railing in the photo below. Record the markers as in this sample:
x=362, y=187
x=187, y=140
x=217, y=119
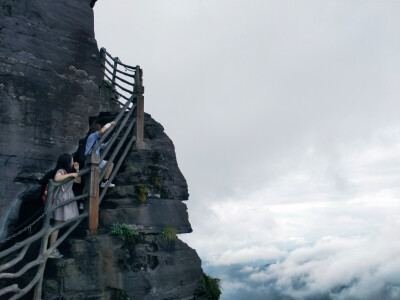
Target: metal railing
x=129, y=129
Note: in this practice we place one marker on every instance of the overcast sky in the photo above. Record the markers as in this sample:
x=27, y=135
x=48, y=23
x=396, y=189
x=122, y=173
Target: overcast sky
x=285, y=116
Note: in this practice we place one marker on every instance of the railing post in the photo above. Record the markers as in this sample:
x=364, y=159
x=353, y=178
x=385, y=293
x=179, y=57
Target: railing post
x=116, y=59
x=103, y=61
x=45, y=239
x=93, y=162
x=139, y=91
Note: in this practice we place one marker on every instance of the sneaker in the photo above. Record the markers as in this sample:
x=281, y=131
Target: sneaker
x=103, y=184
x=81, y=206
x=55, y=254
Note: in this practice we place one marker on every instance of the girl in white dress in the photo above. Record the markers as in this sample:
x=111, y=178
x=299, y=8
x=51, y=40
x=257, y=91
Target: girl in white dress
x=66, y=167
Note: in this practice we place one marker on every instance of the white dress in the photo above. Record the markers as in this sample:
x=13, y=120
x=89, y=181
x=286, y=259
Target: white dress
x=63, y=194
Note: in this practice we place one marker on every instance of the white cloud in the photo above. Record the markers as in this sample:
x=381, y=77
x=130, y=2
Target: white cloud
x=285, y=119
x=245, y=255
x=343, y=268
x=309, y=191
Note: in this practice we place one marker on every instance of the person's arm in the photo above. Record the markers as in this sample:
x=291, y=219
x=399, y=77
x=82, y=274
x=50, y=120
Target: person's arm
x=105, y=127
x=61, y=177
x=76, y=167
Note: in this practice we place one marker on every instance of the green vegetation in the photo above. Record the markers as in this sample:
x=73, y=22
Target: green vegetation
x=124, y=232
x=169, y=234
x=209, y=287
x=156, y=182
x=141, y=192
x=107, y=84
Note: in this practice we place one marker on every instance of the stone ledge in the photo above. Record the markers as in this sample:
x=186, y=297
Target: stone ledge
x=150, y=217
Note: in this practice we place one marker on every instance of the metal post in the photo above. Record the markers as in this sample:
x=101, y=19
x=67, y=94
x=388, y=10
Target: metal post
x=93, y=162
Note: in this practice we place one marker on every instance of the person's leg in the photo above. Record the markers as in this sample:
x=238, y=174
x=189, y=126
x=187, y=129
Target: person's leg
x=54, y=234
x=108, y=173
x=104, y=163
x=53, y=238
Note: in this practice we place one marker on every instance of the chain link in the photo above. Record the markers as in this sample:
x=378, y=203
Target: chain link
x=25, y=229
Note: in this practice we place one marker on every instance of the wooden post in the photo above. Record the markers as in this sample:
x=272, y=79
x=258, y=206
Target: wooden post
x=139, y=91
x=114, y=73
x=103, y=61
x=93, y=162
x=45, y=239
x=140, y=118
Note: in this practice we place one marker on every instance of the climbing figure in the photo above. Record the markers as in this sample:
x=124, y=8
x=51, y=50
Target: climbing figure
x=65, y=168
x=96, y=131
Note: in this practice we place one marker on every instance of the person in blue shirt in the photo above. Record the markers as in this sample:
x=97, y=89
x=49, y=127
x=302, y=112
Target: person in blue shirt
x=96, y=131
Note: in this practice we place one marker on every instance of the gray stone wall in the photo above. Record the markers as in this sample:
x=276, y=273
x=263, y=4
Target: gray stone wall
x=49, y=78
x=105, y=267
x=49, y=88
x=154, y=166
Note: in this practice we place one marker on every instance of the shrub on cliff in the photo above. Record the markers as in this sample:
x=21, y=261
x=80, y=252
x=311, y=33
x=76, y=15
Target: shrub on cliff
x=169, y=234
x=141, y=192
x=124, y=232
x=209, y=287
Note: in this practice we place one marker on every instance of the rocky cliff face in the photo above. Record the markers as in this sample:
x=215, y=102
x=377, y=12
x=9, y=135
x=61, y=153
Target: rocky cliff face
x=49, y=78
x=49, y=89
x=150, y=267
x=104, y=266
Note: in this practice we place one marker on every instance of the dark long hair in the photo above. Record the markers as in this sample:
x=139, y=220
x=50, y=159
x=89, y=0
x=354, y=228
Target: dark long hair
x=63, y=162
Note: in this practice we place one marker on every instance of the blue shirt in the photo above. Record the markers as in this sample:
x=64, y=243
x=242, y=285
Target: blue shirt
x=91, y=141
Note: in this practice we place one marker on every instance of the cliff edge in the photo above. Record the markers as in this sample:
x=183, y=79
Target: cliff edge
x=50, y=79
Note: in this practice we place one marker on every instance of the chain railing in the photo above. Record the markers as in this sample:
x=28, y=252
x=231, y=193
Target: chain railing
x=28, y=227
x=129, y=129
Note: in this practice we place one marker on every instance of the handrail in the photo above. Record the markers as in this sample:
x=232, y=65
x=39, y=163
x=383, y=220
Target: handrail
x=126, y=74
x=117, y=61
x=123, y=130
x=117, y=166
x=113, y=139
x=126, y=66
x=15, y=260
x=107, y=61
x=107, y=133
x=120, y=144
x=125, y=81
x=124, y=89
x=108, y=54
x=82, y=172
x=123, y=96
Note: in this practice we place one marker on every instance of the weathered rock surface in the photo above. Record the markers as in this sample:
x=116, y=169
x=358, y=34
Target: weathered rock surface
x=155, y=166
x=49, y=85
x=49, y=90
x=152, y=216
x=102, y=267
x=99, y=267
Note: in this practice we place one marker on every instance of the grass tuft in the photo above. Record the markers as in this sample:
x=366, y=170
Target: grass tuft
x=124, y=232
